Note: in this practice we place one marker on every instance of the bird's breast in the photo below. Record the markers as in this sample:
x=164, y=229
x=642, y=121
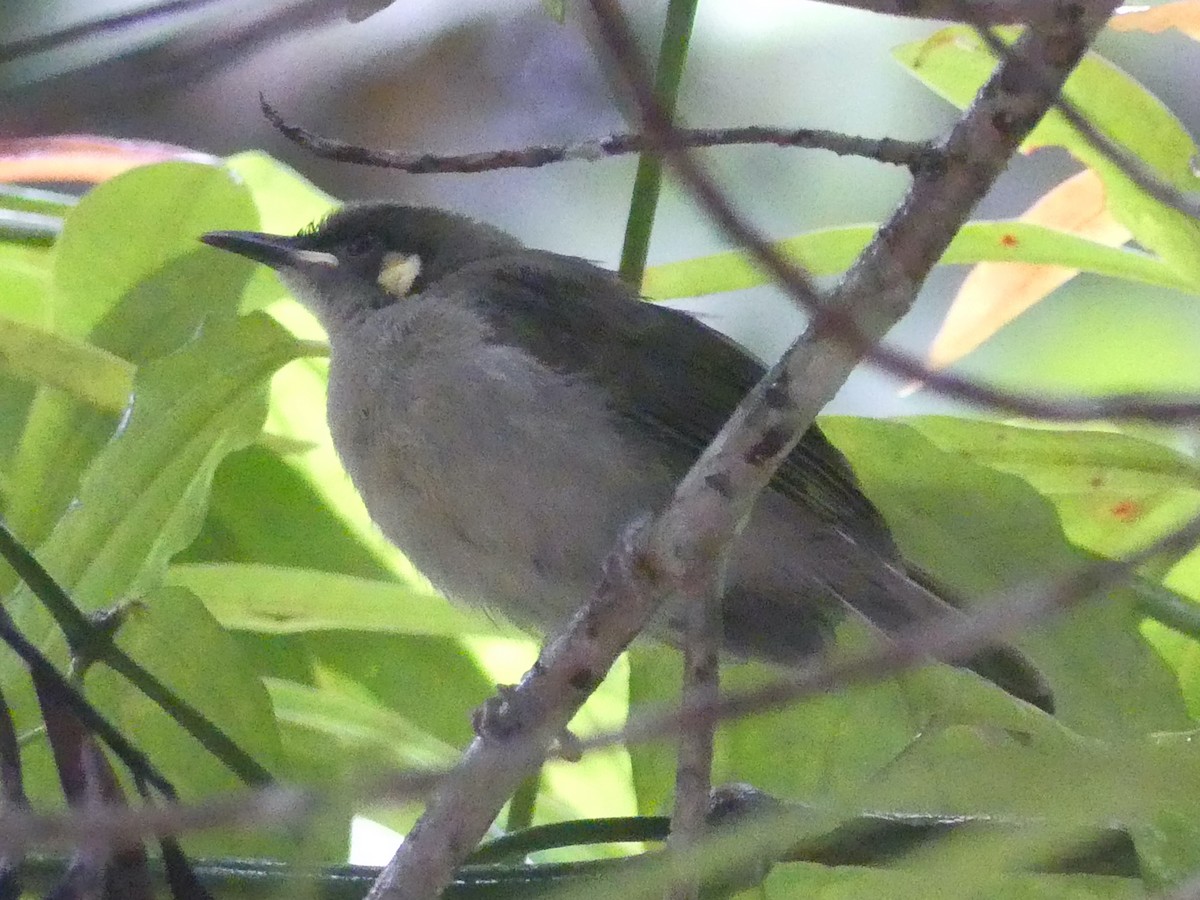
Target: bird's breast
x=503, y=481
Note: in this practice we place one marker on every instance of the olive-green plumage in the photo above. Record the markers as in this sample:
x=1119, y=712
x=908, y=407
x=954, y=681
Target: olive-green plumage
x=505, y=412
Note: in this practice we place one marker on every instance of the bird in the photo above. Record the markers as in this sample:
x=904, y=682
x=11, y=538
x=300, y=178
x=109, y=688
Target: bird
x=505, y=412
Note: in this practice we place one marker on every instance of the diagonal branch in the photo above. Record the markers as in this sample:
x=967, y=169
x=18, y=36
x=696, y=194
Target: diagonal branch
x=659, y=559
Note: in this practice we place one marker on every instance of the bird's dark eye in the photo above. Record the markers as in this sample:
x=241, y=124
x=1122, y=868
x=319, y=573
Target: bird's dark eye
x=360, y=245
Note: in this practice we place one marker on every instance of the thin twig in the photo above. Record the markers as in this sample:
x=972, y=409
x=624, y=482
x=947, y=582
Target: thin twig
x=993, y=12
x=910, y=154
x=92, y=644
x=134, y=759
x=701, y=690
x=113, y=825
x=41, y=43
x=1152, y=184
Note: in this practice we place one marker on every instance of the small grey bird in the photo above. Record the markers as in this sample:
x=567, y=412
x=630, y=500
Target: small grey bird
x=505, y=412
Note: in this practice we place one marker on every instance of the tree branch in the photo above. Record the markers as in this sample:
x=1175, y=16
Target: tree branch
x=910, y=154
x=992, y=12
x=660, y=559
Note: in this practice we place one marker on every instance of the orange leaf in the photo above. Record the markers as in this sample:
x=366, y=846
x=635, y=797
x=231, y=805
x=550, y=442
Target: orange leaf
x=1184, y=15
x=84, y=158
x=995, y=293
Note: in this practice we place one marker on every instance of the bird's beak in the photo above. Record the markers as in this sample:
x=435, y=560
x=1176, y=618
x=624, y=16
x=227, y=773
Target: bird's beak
x=276, y=251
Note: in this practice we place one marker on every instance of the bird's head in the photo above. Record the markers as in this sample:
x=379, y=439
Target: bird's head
x=368, y=256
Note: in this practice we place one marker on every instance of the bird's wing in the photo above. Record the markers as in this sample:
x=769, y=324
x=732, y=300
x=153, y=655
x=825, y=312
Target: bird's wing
x=679, y=379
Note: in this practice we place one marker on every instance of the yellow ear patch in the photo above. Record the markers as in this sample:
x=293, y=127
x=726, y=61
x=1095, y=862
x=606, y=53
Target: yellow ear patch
x=398, y=272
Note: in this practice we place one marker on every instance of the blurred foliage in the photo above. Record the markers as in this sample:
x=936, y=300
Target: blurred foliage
x=163, y=443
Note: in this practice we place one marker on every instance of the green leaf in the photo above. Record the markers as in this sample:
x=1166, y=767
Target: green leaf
x=128, y=229
x=143, y=497
x=244, y=524
x=340, y=711
x=280, y=600
x=85, y=372
x=1113, y=493
x=830, y=251
x=214, y=678
x=156, y=312
x=286, y=200
x=980, y=531
x=954, y=62
x=25, y=283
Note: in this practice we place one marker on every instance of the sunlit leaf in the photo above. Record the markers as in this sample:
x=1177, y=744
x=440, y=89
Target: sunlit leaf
x=283, y=600
x=143, y=497
x=87, y=373
x=830, y=251
x=994, y=294
x=955, y=63
x=1183, y=14
x=980, y=531
x=1113, y=493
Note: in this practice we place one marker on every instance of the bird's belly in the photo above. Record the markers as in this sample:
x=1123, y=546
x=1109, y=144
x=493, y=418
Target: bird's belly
x=498, y=503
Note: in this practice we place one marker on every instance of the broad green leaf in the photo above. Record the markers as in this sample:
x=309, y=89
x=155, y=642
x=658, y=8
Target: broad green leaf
x=169, y=632
x=244, y=524
x=85, y=372
x=830, y=251
x=274, y=599
x=954, y=63
x=128, y=229
x=157, y=311
x=25, y=283
x=1113, y=493
x=817, y=882
x=286, y=200
x=143, y=497
x=340, y=712
x=980, y=531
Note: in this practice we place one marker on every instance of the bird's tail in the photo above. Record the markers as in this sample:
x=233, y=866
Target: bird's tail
x=1004, y=666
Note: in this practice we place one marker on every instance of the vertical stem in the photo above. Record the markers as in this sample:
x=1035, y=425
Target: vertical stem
x=524, y=801
x=672, y=54
x=701, y=689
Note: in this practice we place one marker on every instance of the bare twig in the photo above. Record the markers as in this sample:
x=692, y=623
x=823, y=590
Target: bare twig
x=1150, y=182
x=701, y=690
x=134, y=759
x=43, y=42
x=910, y=154
x=1004, y=614
x=114, y=825
x=993, y=12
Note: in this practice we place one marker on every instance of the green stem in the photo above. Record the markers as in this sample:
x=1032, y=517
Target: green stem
x=91, y=643
x=1168, y=608
x=672, y=54
x=574, y=833
x=521, y=806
